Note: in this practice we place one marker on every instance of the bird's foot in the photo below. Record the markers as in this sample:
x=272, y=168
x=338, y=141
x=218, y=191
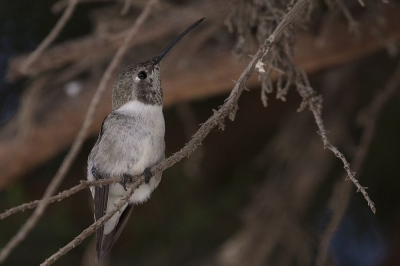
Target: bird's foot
x=147, y=175
x=125, y=178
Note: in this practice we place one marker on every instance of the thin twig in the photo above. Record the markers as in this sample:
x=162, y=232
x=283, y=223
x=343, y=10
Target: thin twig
x=361, y=153
x=62, y=195
x=52, y=35
x=314, y=102
x=91, y=229
x=76, y=146
x=34, y=204
x=228, y=109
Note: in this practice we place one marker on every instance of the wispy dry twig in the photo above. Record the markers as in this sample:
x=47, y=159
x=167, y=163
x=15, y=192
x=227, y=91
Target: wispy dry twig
x=56, y=198
x=344, y=190
x=314, y=103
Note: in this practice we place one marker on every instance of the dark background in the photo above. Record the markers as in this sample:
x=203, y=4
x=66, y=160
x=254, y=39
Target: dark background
x=269, y=165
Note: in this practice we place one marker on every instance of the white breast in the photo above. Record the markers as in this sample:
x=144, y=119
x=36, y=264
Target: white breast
x=149, y=114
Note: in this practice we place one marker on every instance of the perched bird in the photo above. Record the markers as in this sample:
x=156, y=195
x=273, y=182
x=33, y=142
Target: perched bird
x=131, y=140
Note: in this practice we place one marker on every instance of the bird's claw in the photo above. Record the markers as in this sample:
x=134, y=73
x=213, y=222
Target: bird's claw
x=147, y=175
x=125, y=178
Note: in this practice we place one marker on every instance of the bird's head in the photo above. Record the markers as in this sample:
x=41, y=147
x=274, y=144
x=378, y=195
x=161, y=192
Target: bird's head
x=141, y=81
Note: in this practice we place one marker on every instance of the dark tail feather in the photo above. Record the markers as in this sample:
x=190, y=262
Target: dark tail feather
x=105, y=242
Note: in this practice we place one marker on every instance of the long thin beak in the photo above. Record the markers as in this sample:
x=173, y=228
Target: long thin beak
x=169, y=46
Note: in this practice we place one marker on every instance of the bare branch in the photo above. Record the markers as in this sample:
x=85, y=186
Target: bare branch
x=228, y=109
x=314, y=102
x=56, y=181
x=62, y=195
x=51, y=37
x=361, y=153
x=34, y=204
x=91, y=229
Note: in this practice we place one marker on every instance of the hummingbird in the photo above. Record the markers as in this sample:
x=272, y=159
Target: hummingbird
x=130, y=142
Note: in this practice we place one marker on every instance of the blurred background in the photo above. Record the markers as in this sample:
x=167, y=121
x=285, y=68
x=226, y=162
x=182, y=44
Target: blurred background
x=260, y=192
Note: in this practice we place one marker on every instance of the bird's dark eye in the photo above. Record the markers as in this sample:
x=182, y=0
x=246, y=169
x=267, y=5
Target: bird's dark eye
x=142, y=75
